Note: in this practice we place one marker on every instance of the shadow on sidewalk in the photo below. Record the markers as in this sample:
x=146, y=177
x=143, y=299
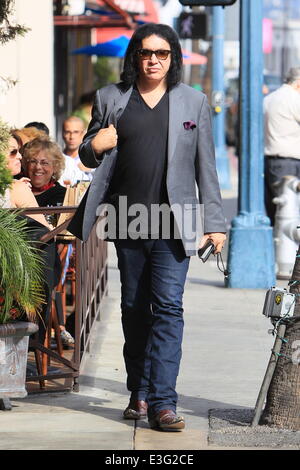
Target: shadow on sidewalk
x=193, y=406
x=205, y=282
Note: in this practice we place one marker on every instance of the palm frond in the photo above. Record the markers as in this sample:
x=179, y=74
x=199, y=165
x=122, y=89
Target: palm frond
x=21, y=267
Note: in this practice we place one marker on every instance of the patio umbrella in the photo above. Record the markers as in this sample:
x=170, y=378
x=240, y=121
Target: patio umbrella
x=117, y=48
x=193, y=58
x=114, y=48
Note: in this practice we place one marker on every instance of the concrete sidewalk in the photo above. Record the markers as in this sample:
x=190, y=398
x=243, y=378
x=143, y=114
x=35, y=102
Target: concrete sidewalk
x=225, y=353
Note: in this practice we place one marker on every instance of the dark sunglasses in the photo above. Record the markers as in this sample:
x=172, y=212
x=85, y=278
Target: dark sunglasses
x=161, y=54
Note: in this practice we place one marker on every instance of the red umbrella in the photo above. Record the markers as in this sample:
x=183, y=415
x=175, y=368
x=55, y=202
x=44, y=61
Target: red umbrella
x=193, y=58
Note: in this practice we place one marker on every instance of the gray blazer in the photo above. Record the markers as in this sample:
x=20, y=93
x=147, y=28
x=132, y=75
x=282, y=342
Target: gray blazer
x=191, y=163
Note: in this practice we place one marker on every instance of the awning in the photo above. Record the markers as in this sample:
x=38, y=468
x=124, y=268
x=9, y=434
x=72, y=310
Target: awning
x=145, y=12
x=111, y=15
x=132, y=6
x=142, y=10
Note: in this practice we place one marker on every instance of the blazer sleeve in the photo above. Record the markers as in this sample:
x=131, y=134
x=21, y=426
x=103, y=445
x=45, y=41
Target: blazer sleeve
x=86, y=153
x=206, y=174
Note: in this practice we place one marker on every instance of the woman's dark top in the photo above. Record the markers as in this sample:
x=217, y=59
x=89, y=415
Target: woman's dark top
x=52, y=197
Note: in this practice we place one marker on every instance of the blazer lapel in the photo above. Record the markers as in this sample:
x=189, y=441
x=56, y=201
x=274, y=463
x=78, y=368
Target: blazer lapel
x=120, y=103
x=176, y=113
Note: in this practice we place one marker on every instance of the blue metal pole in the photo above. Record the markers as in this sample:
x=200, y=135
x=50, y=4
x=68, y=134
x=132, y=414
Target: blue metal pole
x=251, y=251
x=218, y=96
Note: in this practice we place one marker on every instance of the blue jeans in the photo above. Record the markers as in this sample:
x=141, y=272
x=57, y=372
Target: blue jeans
x=153, y=274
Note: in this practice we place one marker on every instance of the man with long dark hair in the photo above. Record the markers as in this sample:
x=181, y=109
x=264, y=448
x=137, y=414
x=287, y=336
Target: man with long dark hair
x=152, y=136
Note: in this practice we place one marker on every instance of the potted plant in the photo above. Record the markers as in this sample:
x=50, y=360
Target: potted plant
x=21, y=290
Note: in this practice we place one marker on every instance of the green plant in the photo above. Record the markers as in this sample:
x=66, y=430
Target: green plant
x=8, y=30
x=21, y=268
x=104, y=72
x=21, y=264
x=5, y=174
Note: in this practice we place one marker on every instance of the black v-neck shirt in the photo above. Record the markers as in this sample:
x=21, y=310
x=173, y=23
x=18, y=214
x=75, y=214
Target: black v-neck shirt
x=140, y=172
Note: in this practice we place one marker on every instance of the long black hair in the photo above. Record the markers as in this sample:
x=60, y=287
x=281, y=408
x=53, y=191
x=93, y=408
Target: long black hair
x=131, y=68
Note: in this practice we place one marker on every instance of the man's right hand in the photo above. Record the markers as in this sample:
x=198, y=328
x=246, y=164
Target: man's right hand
x=105, y=139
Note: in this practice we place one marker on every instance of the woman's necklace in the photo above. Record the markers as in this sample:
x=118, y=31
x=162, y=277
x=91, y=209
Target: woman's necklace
x=43, y=188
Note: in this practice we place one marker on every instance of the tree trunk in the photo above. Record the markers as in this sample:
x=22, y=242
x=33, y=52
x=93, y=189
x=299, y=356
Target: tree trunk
x=282, y=408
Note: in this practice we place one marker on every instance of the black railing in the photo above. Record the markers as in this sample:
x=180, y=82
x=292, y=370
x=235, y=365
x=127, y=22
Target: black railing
x=57, y=368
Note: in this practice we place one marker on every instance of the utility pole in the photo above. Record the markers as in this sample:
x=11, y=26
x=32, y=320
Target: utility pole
x=218, y=98
x=251, y=250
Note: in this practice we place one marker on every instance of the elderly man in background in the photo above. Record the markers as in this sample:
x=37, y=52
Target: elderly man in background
x=73, y=132
x=282, y=136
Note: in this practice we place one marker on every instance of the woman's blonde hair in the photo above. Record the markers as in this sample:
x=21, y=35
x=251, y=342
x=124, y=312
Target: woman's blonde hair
x=33, y=148
x=27, y=134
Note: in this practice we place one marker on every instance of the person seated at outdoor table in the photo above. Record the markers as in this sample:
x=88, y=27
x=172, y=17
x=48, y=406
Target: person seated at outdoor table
x=43, y=164
x=25, y=135
x=19, y=195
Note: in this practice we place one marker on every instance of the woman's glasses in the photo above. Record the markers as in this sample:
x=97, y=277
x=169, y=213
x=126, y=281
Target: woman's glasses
x=161, y=54
x=34, y=162
x=14, y=152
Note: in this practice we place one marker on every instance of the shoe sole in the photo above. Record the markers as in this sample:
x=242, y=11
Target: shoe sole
x=174, y=427
x=135, y=416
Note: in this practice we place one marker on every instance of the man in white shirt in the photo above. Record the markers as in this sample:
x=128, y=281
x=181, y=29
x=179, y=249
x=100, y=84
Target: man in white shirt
x=73, y=132
x=282, y=136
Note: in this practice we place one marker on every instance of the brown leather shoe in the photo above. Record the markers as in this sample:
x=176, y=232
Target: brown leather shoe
x=136, y=410
x=167, y=420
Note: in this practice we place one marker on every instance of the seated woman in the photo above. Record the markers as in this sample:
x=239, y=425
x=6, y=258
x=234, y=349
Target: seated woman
x=19, y=195
x=43, y=163
x=26, y=134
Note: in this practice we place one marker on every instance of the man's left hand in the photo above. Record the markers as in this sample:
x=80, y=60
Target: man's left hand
x=218, y=239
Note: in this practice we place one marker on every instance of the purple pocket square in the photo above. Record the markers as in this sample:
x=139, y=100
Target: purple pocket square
x=189, y=125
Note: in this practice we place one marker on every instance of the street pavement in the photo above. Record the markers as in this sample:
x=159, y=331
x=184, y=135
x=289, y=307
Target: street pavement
x=225, y=353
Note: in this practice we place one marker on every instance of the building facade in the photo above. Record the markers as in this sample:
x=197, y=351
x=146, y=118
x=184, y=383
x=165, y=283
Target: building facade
x=29, y=61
